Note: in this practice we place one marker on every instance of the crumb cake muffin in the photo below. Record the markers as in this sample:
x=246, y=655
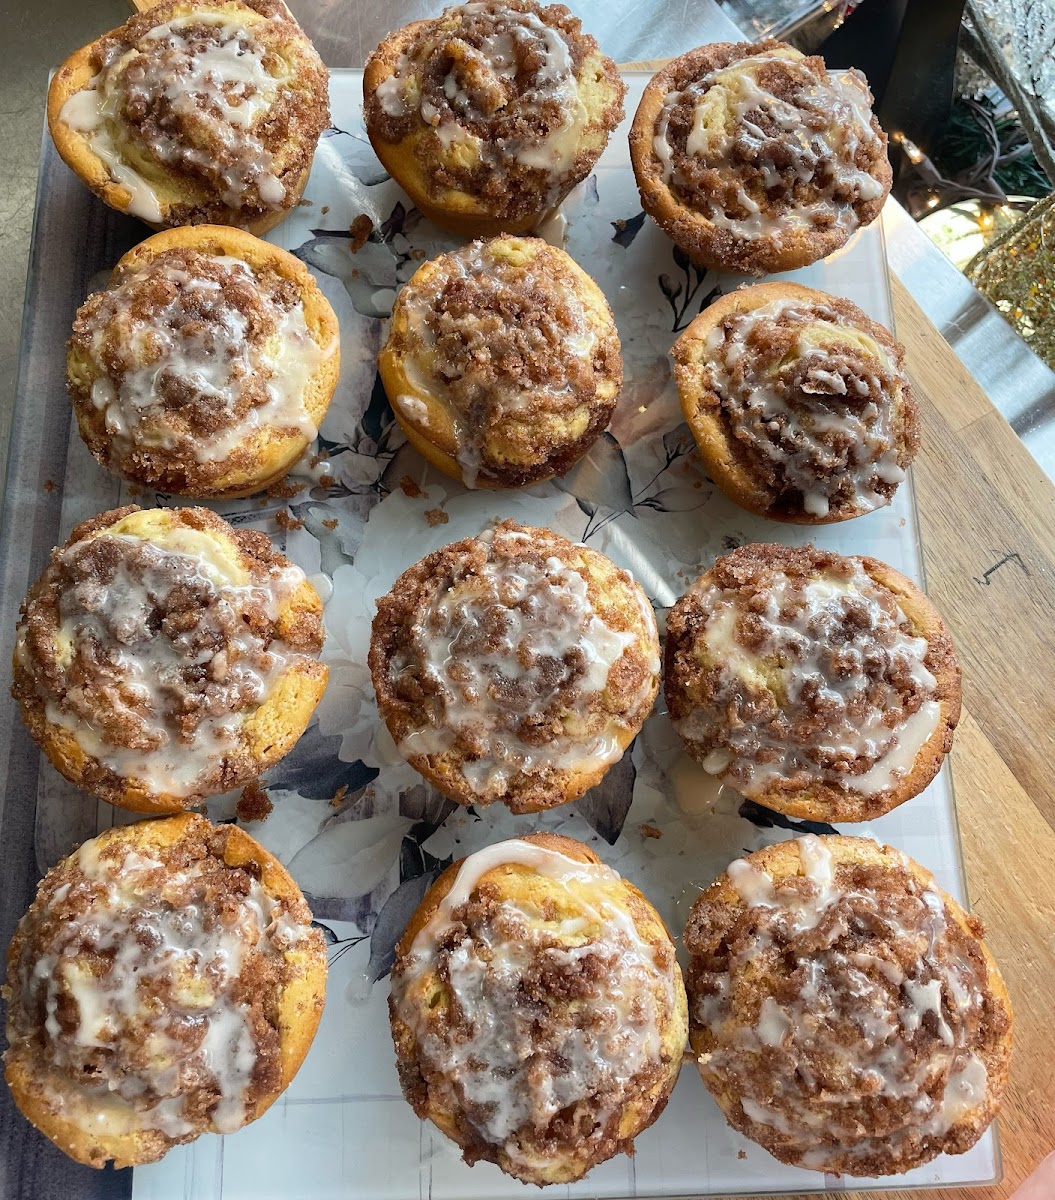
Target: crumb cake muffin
x=164, y=657
x=165, y=983
x=194, y=112
x=818, y=685
x=537, y=1009
x=490, y=114
x=844, y=1011
x=502, y=363
x=514, y=666
x=799, y=403
x=205, y=366
x=753, y=158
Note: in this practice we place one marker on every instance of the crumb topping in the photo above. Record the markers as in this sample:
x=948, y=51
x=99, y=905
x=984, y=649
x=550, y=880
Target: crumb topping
x=814, y=400
x=152, y=651
x=148, y=985
x=789, y=667
x=495, y=87
x=186, y=358
x=502, y=333
x=845, y=1012
x=230, y=103
x=536, y=1019
x=759, y=139
x=513, y=656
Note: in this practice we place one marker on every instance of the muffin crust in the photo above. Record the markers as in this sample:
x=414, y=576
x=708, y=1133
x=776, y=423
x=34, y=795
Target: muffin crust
x=514, y=666
x=845, y=1013
x=503, y=363
x=537, y=1009
x=819, y=685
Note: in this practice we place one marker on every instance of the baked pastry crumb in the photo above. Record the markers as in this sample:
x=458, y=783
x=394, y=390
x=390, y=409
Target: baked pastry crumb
x=800, y=405
x=514, y=666
x=163, y=657
x=819, y=685
x=537, y=1009
x=844, y=1011
x=503, y=363
x=489, y=114
x=166, y=982
x=206, y=365
x=194, y=112
x=754, y=158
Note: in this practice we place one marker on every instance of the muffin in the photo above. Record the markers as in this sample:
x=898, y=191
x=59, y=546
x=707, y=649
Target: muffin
x=164, y=657
x=489, y=115
x=537, y=1009
x=514, y=666
x=166, y=982
x=753, y=158
x=205, y=366
x=502, y=363
x=799, y=403
x=844, y=1011
x=818, y=685
x=194, y=112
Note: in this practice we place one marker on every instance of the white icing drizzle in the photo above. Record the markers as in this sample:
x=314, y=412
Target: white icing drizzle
x=609, y=1035
x=208, y=93
x=500, y=646
x=840, y=647
x=169, y=977
x=737, y=119
x=114, y=622
x=813, y=413
x=887, y=1000
x=200, y=347
x=91, y=112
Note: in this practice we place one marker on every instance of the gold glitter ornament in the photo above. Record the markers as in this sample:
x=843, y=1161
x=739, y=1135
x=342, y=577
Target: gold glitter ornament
x=1016, y=273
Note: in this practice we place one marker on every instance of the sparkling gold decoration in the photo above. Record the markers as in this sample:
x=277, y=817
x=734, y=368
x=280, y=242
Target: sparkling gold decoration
x=1017, y=274
x=962, y=231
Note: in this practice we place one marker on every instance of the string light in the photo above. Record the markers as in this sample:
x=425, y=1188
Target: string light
x=912, y=151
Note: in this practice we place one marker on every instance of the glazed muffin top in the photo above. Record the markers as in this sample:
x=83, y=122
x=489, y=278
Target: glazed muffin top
x=803, y=677
x=518, y=345
x=200, y=110
x=509, y=102
x=845, y=1012
x=765, y=144
x=152, y=636
x=145, y=988
x=806, y=396
x=193, y=357
x=538, y=1008
x=511, y=662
